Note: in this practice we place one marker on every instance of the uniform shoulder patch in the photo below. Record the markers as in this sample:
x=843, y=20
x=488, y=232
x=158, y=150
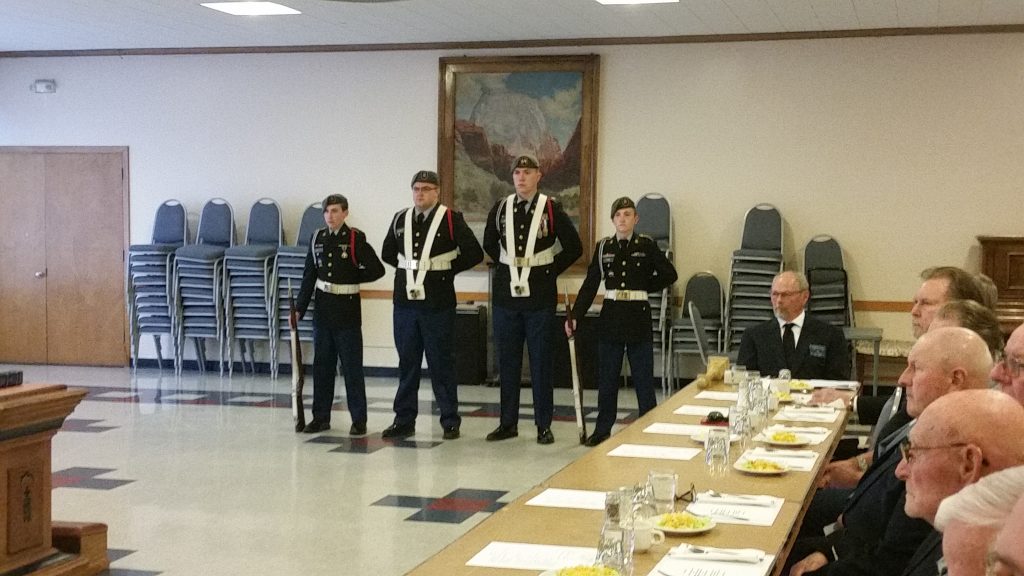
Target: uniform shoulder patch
x=645, y=237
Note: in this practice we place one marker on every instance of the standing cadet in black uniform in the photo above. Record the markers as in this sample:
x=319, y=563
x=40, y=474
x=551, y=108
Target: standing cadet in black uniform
x=339, y=259
x=532, y=241
x=632, y=266
x=424, y=315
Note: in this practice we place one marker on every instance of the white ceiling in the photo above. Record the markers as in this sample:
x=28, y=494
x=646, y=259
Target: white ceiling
x=58, y=25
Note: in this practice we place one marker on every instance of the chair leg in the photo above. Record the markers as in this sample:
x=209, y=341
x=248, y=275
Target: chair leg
x=200, y=354
x=159, y=353
x=252, y=356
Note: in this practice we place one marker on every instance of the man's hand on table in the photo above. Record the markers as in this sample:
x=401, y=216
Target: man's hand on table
x=826, y=395
x=809, y=564
x=842, y=473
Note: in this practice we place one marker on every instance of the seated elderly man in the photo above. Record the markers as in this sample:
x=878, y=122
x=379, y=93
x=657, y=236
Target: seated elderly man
x=959, y=439
x=1007, y=554
x=876, y=537
x=794, y=340
x=1008, y=372
x=970, y=520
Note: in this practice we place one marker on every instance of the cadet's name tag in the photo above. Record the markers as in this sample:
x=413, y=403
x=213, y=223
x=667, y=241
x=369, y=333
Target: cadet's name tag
x=816, y=350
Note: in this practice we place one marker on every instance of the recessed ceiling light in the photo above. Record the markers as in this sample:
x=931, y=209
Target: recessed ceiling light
x=251, y=8
x=637, y=1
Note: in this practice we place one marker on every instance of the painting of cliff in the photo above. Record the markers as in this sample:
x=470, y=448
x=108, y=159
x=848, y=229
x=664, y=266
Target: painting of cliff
x=495, y=109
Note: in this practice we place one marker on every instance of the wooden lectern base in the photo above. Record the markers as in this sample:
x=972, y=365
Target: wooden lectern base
x=81, y=551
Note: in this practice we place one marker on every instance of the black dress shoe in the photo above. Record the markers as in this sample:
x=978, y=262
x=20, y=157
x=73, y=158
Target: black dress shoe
x=316, y=426
x=596, y=438
x=503, y=433
x=357, y=429
x=451, y=432
x=399, y=430
x=545, y=436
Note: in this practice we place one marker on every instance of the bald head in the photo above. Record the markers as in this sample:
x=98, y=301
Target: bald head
x=958, y=439
x=944, y=360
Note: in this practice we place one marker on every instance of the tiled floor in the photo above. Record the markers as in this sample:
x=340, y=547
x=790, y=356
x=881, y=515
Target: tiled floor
x=204, y=475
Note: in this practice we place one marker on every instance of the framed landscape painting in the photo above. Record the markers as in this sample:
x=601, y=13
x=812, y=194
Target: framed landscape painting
x=492, y=110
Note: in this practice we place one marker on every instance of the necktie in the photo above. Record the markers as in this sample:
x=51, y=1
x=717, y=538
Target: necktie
x=419, y=218
x=788, y=344
x=623, y=244
x=521, y=206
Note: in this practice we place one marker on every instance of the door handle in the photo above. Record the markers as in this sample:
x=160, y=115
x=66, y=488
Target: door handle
x=41, y=274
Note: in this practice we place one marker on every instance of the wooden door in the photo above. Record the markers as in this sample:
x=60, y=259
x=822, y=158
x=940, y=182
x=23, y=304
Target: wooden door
x=22, y=258
x=75, y=256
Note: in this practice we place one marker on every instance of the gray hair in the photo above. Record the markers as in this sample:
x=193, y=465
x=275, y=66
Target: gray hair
x=801, y=280
x=987, y=502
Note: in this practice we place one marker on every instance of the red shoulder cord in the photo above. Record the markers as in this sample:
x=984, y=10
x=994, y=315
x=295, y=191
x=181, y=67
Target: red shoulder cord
x=551, y=217
x=352, y=245
x=451, y=229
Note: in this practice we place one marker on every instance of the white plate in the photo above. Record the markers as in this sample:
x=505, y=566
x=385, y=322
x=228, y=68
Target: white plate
x=800, y=386
x=739, y=466
x=800, y=441
x=683, y=531
x=553, y=572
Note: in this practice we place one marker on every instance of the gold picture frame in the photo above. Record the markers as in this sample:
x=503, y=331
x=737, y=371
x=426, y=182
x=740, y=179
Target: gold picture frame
x=492, y=109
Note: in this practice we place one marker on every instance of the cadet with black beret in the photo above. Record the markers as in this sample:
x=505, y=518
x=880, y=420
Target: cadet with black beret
x=338, y=261
x=632, y=266
x=428, y=244
x=531, y=240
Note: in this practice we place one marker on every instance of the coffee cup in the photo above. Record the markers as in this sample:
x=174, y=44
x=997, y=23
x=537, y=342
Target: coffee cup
x=646, y=535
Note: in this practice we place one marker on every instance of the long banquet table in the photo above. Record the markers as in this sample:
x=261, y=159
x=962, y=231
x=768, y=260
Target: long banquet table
x=596, y=470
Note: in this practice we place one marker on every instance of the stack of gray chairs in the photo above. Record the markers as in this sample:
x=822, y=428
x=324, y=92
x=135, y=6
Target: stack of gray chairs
x=826, y=274
x=704, y=291
x=754, y=265
x=199, y=283
x=656, y=222
x=248, y=294
x=148, y=283
x=291, y=260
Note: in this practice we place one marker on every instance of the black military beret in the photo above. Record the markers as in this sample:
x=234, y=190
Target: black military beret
x=426, y=176
x=525, y=161
x=624, y=202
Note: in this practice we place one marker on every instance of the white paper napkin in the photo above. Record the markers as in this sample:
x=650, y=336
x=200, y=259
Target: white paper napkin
x=695, y=410
x=690, y=552
x=736, y=499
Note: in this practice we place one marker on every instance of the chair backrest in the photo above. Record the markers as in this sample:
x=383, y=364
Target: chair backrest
x=312, y=220
x=704, y=289
x=655, y=219
x=823, y=251
x=217, y=224
x=171, y=224
x=762, y=229
x=703, y=346
x=264, y=223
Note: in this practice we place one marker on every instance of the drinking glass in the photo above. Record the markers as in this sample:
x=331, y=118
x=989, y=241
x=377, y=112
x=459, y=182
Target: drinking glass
x=663, y=486
x=716, y=451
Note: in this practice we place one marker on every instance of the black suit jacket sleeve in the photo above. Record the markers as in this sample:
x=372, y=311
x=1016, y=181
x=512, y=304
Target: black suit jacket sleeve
x=370, y=266
x=588, y=291
x=470, y=252
x=308, y=283
x=891, y=555
x=568, y=237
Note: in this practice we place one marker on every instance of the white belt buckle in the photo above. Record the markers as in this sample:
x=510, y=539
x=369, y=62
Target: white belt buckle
x=412, y=264
x=415, y=294
x=622, y=294
x=520, y=261
x=520, y=290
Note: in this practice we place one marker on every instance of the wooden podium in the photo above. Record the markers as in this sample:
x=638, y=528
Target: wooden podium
x=30, y=414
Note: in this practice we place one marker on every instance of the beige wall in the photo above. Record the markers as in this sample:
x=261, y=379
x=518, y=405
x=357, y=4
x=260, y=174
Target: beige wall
x=902, y=148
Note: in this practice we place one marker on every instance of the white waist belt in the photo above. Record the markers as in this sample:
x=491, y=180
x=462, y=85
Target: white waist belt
x=439, y=262
x=542, y=258
x=338, y=289
x=625, y=295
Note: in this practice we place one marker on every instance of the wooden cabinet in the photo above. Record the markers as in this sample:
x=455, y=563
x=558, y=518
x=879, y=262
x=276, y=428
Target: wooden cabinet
x=1002, y=260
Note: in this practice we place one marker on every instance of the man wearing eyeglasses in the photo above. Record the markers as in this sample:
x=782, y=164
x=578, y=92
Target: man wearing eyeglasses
x=874, y=535
x=795, y=340
x=428, y=244
x=958, y=439
x=1008, y=372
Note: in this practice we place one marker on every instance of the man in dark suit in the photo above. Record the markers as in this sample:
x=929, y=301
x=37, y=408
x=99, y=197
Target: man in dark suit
x=531, y=240
x=339, y=259
x=875, y=536
x=631, y=266
x=959, y=439
x=793, y=340
x=428, y=245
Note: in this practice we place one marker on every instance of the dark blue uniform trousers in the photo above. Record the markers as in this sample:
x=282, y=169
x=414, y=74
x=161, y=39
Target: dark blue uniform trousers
x=609, y=366
x=329, y=346
x=511, y=329
x=431, y=331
